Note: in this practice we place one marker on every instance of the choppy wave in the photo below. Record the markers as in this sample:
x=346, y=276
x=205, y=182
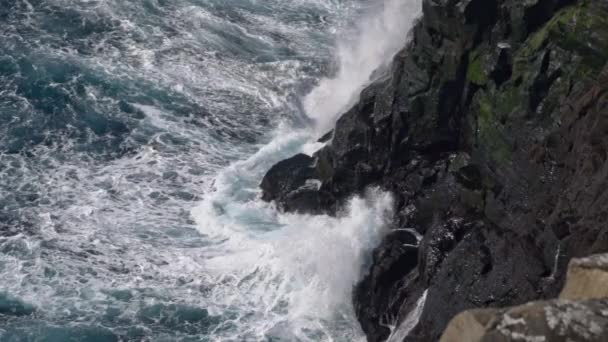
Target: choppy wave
x=133, y=136
x=290, y=275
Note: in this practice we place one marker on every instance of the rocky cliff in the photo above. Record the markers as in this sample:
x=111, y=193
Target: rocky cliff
x=491, y=131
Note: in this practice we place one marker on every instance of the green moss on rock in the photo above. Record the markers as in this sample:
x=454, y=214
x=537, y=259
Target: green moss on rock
x=509, y=99
x=577, y=29
x=490, y=136
x=476, y=72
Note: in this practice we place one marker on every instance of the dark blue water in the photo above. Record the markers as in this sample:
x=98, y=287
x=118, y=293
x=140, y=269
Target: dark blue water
x=133, y=136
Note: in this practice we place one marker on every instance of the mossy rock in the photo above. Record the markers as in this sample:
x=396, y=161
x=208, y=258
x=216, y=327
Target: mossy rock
x=476, y=72
x=581, y=29
x=490, y=131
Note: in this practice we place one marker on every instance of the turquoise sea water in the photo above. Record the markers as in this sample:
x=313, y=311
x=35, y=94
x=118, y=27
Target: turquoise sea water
x=133, y=137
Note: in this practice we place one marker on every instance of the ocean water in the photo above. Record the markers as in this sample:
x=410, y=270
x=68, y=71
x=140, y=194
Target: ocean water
x=133, y=137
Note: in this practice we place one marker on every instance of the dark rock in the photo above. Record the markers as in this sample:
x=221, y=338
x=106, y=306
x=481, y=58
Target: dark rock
x=491, y=132
x=397, y=255
x=294, y=184
x=326, y=137
x=470, y=177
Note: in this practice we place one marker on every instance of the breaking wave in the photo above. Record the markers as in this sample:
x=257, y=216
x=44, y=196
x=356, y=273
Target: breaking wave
x=133, y=137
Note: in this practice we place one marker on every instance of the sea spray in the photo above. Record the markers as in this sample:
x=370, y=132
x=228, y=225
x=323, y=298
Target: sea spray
x=294, y=273
x=295, y=280
x=381, y=35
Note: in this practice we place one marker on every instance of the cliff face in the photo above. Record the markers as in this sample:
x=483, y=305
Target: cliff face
x=491, y=131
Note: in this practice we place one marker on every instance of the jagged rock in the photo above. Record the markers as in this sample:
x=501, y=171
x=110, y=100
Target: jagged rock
x=587, y=278
x=555, y=321
x=398, y=254
x=326, y=137
x=293, y=183
x=485, y=266
x=490, y=130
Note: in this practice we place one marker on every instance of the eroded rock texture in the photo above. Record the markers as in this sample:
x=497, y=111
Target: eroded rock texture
x=491, y=131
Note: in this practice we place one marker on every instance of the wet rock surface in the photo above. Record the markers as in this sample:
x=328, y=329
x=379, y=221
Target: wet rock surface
x=293, y=184
x=491, y=131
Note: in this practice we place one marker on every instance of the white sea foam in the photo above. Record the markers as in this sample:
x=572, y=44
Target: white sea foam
x=399, y=333
x=381, y=35
x=295, y=272
x=99, y=225
x=297, y=269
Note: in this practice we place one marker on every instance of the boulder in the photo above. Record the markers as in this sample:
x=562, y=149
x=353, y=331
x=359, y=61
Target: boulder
x=293, y=183
x=556, y=321
x=587, y=278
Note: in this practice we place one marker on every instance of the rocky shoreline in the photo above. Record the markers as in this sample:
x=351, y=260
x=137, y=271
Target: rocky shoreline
x=491, y=131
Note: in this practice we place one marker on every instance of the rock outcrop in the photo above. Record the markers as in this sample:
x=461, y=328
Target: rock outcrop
x=580, y=314
x=491, y=131
x=292, y=183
